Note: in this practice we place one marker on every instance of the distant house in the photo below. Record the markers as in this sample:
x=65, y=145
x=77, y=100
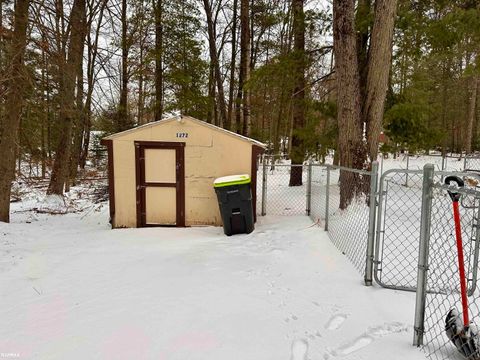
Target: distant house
x=383, y=138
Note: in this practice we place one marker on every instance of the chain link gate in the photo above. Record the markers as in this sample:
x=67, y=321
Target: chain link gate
x=398, y=226
x=438, y=278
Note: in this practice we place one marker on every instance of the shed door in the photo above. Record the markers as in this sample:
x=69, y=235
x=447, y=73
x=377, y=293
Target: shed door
x=160, y=184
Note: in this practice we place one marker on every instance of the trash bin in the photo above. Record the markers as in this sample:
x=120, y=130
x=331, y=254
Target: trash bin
x=235, y=201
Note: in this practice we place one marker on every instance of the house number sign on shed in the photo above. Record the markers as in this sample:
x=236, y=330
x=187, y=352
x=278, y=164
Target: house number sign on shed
x=182, y=135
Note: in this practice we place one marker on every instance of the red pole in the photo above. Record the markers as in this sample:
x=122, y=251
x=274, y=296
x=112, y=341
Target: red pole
x=461, y=263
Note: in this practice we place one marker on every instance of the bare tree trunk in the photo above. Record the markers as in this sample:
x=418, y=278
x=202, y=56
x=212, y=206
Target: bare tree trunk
x=472, y=98
x=350, y=145
x=379, y=63
x=14, y=101
x=214, y=59
x=45, y=115
x=211, y=95
x=123, y=121
x=2, y=68
x=297, y=153
x=68, y=77
x=92, y=51
x=444, y=109
x=228, y=125
x=158, y=59
x=364, y=8
x=245, y=64
x=79, y=128
x=141, y=96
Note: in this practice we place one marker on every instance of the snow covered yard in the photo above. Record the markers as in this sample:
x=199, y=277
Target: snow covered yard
x=71, y=288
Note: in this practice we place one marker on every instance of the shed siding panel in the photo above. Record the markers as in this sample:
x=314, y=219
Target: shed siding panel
x=125, y=193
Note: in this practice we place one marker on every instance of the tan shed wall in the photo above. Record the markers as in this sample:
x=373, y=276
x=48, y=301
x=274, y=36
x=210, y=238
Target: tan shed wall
x=208, y=154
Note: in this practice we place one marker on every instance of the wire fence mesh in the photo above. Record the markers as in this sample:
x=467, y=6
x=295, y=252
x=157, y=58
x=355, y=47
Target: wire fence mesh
x=280, y=197
x=398, y=229
x=472, y=163
x=347, y=221
x=443, y=282
x=318, y=193
x=321, y=197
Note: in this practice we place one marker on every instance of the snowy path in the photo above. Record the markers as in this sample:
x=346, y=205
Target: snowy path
x=73, y=289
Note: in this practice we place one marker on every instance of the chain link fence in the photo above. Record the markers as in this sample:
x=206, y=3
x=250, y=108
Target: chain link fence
x=471, y=163
x=350, y=224
x=347, y=222
x=277, y=196
x=398, y=230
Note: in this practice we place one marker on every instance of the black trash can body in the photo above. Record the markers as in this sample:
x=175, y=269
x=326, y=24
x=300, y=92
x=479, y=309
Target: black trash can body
x=235, y=200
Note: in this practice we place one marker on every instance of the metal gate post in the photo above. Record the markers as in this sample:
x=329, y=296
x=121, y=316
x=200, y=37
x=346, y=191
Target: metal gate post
x=381, y=164
x=309, y=187
x=371, y=224
x=476, y=240
x=327, y=198
x=264, y=188
x=419, y=326
x=408, y=164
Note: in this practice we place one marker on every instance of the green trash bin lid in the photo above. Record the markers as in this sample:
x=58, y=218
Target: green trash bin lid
x=231, y=180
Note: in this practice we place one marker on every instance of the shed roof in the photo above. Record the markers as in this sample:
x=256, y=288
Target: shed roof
x=175, y=118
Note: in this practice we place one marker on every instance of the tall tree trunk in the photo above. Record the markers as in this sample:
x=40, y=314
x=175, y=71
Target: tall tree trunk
x=92, y=51
x=45, y=115
x=68, y=111
x=444, y=108
x=379, y=63
x=472, y=99
x=245, y=64
x=14, y=101
x=123, y=121
x=228, y=125
x=141, y=96
x=297, y=153
x=363, y=17
x=2, y=69
x=212, y=45
x=350, y=145
x=158, y=59
x=79, y=128
x=211, y=95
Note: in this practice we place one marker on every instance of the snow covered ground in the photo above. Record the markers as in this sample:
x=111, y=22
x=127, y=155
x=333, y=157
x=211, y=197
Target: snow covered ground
x=71, y=288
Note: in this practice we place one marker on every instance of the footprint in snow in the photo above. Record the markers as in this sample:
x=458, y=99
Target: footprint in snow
x=299, y=350
x=351, y=346
x=365, y=339
x=335, y=322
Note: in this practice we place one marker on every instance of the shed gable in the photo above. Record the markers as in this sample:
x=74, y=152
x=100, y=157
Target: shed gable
x=183, y=128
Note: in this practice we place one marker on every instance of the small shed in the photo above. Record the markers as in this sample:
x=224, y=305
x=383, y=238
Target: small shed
x=162, y=173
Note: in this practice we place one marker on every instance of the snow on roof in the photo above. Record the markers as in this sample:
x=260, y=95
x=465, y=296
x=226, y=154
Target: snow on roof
x=174, y=118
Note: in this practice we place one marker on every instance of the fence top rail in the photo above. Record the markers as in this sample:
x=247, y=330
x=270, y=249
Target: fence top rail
x=457, y=173
x=420, y=171
x=466, y=191
x=285, y=165
x=401, y=171
x=358, y=171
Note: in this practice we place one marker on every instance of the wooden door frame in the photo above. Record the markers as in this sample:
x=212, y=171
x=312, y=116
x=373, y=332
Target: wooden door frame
x=141, y=184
